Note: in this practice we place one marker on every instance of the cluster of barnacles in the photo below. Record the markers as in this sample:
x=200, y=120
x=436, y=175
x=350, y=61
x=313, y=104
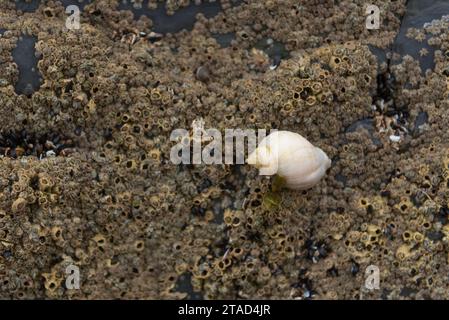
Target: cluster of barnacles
x=391, y=126
x=133, y=35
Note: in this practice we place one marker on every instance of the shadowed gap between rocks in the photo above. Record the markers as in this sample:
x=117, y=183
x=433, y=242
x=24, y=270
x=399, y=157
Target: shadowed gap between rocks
x=24, y=56
x=33, y=5
x=23, y=143
x=418, y=13
x=183, y=18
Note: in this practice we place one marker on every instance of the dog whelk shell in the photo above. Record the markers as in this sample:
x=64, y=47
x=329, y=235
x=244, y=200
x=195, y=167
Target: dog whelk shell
x=292, y=157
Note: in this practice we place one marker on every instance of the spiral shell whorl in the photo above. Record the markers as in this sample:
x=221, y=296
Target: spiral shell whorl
x=292, y=157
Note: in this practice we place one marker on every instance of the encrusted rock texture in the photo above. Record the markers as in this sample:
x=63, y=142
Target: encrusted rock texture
x=86, y=177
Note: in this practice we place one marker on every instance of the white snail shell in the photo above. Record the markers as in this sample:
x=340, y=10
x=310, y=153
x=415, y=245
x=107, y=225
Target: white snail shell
x=292, y=157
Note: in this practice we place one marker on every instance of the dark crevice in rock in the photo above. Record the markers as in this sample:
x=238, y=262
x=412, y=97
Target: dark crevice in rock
x=81, y=5
x=224, y=39
x=33, y=5
x=419, y=12
x=183, y=18
x=23, y=143
x=24, y=56
x=27, y=6
x=184, y=285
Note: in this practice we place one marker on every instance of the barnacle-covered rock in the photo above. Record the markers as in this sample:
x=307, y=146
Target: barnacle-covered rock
x=86, y=178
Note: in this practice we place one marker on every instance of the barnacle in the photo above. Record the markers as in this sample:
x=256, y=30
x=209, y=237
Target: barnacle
x=19, y=205
x=404, y=206
x=52, y=281
x=403, y=252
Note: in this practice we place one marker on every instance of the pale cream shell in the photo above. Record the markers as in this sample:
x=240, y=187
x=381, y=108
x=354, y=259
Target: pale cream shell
x=292, y=157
